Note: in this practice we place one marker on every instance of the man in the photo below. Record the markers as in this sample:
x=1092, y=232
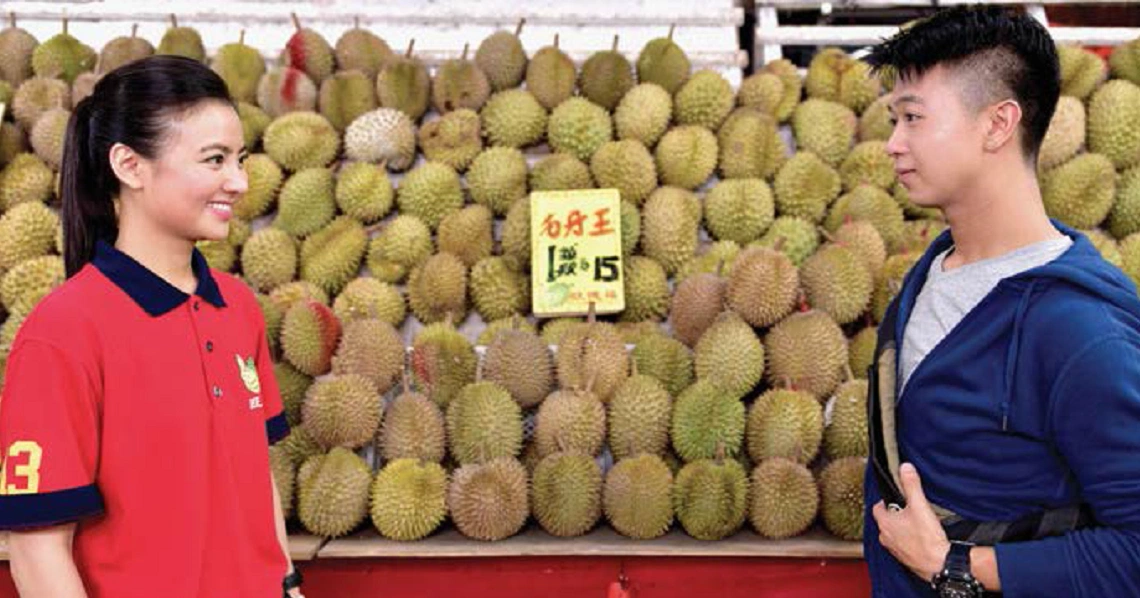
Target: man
x=1007, y=375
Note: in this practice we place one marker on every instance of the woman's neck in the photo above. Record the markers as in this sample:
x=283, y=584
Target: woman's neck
x=167, y=257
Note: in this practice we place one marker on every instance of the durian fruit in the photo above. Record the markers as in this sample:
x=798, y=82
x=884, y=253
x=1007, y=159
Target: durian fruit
x=342, y=410
x=36, y=96
x=17, y=47
x=554, y=328
x=1124, y=61
x=254, y=122
x=483, y=423
x=729, y=355
x=697, y=302
x=868, y=163
x=514, y=118
x=763, y=286
x=520, y=362
x=644, y=114
x=454, y=139
x=750, y=145
x=13, y=142
x=805, y=186
x=437, y=289
x=331, y=256
x=630, y=228
x=309, y=336
x=560, y=172
x=686, y=156
x=785, y=423
x=707, y=419
x=384, y=135
x=807, y=351
x=291, y=293
x=835, y=76
x=359, y=49
x=373, y=349
x=663, y=62
x=284, y=478
x=494, y=328
x=1066, y=134
x=301, y=140
x=845, y=417
x=889, y=281
x=409, y=499
x=429, y=192
x=861, y=350
x=497, y=177
x=670, y=226
x=403, y=243
x=84, y=85
x=709, y=259
x=489, y=501
x=794, y=237
x=62, y=56
x=739, y=210
x=22, y=287
x=578, y=127
x=838, y=282
x=789, y=74
x=459, y=83
x=294, y=385
x=1124, y=219
x=27, y=230
x=1105, y=245
x=1082, y=71
x=367, y=297
x=306, y=202
x=591, y=356
x=26, y=179
x=632, y=331
x=344, y=96
x=867, y=202
x=646, y=290
x=497, y=290
x=570, y=420
x=825, y=128
x=515, y=235
x=123, y=50
x=413, y=428
x=332, y=493
x=363, y=191
x=784, y=499
x=285, y=89
x=502, y=58
x=875, y=122
x=666, y=359
x=1130, y=256
x=551, y=76
x=443, y=362
x=404, y=84
x=219, y=254
x=639, y=416
x=467, y=234
x=637, y=498
x=704, y=100
x=1114, y=123
x=862, y=238
x=1081, y=191
x=308, y=51
x=902, y=198
x=269, y=259
x=299, y=447
x=841, y=497
x=606, y=77
x=241, y=67
x=761, y=90
x=710, y=498
x=566, y=494
x=626, y=166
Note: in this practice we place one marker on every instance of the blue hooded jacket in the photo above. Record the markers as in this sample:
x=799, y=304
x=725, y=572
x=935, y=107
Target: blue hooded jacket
x=1032, y=402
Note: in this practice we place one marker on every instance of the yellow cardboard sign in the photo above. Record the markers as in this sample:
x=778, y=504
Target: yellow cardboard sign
x=575, y=240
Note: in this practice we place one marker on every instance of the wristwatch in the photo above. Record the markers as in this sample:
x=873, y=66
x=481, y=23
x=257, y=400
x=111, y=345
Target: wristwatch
x=955, y=580
x=291, y=581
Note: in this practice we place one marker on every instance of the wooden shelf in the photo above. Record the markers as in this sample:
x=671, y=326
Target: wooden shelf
x=302, y=547
x=603, y=541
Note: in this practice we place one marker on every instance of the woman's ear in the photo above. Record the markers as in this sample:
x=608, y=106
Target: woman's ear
x=127, y=166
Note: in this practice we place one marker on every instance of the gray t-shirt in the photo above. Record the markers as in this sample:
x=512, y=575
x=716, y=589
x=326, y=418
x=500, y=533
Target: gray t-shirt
x=947, y=297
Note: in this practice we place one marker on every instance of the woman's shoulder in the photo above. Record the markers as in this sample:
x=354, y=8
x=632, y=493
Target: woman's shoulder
x=66, y=312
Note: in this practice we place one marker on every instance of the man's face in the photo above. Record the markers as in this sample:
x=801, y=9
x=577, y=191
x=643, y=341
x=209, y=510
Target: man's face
x=938, y=141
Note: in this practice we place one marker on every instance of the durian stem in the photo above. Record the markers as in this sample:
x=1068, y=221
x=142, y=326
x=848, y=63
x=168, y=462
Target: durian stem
x=173, y=20
x=411, y=47
x=556, y=41
x=519, y=27
x=672, y=28
x=135, y=30
x=466, y=47
x=632, y=367
x=241, y=38
x=405, y=378
x=592, y=314
x=720, y=268
x=847, y=370
x=720, y=452
x=826, y=235
x=356, y=21
x=803, y=302
x=479, y=370
x=779, y=244
x=12, y=19
x=616, y=38
x=65, y=25
x=296, y=21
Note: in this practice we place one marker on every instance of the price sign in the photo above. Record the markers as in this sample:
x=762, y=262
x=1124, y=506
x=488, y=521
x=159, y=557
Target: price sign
x=575, y=240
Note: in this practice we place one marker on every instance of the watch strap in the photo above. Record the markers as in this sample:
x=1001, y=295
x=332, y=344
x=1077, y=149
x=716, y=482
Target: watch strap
x=292, y=580
x=958, y=559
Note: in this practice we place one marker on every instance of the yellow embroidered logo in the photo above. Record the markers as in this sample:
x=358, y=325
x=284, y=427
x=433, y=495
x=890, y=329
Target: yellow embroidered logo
x=248, y=371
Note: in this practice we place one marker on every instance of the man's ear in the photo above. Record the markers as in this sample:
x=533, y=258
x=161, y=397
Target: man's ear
x=1004, y=118
x=127, y=166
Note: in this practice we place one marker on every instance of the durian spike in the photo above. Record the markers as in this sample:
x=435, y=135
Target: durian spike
x=296, y=21
x=672, y=28
x=174, y=20
x=411, y=48
x=615, y=46
x=519, y=27
x=466, y=47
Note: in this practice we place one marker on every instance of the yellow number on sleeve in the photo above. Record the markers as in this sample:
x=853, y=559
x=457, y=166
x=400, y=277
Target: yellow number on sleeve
x=30, y=471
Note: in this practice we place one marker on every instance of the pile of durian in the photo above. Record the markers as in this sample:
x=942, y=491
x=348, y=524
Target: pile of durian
x=763, y=229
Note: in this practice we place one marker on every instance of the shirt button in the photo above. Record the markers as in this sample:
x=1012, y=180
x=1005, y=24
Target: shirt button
x=217, y=392
x=195, y=306
x=210, y=346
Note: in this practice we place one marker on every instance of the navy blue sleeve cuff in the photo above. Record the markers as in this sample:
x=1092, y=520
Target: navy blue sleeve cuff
x=276, y=428
x=21, y=511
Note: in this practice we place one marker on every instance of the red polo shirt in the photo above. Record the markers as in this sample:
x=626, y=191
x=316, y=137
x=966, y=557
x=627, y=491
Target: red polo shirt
x=143, y=413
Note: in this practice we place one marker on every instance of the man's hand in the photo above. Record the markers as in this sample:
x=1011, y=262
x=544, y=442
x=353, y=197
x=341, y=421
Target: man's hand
x=913, y=535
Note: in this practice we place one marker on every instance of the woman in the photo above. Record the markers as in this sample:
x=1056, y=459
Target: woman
x=139, y=394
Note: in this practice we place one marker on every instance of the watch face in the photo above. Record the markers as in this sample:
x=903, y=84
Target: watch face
x=953, y=588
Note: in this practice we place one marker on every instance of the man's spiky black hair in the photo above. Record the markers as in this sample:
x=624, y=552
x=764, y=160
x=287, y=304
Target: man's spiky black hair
x=1009, y=54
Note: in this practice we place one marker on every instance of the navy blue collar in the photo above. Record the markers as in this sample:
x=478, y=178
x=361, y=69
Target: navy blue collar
x=147, y=289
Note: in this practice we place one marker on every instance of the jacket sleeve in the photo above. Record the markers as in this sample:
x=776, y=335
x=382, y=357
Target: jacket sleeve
x=1095, y=424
